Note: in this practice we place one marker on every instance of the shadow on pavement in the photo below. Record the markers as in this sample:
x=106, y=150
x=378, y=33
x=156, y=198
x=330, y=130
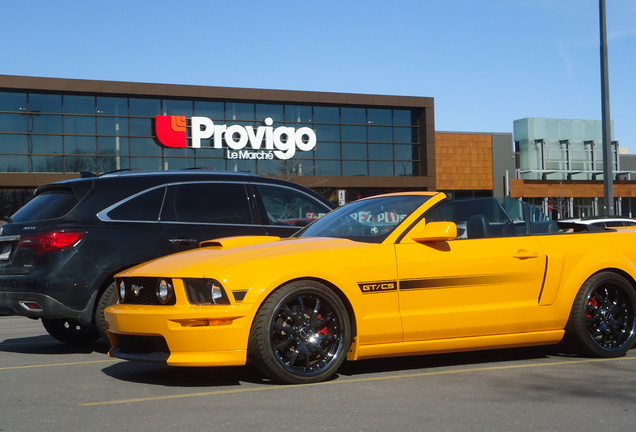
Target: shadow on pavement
x=45, y=344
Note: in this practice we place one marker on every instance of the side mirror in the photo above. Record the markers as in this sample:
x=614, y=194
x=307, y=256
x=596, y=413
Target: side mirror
x=433, y=232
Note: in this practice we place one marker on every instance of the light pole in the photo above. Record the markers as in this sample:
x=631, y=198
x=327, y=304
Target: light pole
x=608, y=162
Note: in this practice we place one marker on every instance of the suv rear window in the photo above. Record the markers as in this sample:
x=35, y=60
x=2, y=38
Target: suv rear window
x=47, y=205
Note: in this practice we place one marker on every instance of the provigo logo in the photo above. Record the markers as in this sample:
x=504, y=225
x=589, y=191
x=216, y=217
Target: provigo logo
x=242, y=142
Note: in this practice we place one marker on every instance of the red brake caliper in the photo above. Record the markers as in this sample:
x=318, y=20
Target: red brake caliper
x=592, y=302
x=324, y=331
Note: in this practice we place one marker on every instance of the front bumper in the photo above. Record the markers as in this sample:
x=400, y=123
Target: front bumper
x=180, y=335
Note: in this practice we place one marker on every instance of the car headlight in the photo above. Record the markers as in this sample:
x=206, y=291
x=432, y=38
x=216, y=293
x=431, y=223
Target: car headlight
x=164, y=291
x=122, y=291
x=205, y=291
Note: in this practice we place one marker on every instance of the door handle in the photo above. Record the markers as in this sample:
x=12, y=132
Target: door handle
x=183, y=241
x=524, y=254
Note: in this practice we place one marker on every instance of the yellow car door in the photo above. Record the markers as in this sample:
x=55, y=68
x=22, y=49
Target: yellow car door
x=469, y=287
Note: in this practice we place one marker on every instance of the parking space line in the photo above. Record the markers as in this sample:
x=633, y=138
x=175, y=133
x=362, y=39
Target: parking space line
x=59, y=364
x=353, y=380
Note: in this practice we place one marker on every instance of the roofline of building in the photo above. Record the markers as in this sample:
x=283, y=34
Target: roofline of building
x=208, y=92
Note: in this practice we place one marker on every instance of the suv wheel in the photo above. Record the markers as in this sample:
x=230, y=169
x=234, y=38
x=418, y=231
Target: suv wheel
x=70, y=331
x=108, y=298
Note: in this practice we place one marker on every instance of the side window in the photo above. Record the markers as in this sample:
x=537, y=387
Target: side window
x=224, y=203
x=476, y=218
x=143, y=207
x=289, y=207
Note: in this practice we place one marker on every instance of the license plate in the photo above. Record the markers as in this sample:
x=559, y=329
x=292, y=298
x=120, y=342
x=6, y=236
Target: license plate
x=5, y=252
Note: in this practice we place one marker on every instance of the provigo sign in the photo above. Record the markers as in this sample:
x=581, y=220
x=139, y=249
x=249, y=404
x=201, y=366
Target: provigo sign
x=241, y=142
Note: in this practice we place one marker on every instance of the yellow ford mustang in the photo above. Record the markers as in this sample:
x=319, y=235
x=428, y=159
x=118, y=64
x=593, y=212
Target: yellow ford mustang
x=391, y=275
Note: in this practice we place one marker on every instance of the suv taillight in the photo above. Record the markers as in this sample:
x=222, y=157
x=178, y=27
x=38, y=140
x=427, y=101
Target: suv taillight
x=51, y=241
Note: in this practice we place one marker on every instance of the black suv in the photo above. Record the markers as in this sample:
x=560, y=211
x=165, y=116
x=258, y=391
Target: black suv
x=59, y=253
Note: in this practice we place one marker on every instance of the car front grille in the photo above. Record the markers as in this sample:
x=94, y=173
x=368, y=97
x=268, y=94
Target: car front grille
x=142, y=291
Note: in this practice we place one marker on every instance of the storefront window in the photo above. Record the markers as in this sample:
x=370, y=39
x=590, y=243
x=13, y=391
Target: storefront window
x=141, y=126
x=353, y=115
x=211, y=163
x=112, y=126
x=381, y=151
x=112, y=106
x=298, y=113
x=379, y=116
x=381, y=169
x=403, y=118
x=213, y=110
x=80, y=145
x=328, y=168
x=178, y=163
x=14, y=163
x=354, y=168
x=275, y=112
x=354, y=151
x=47, y=144
x=144, y=147
x=405, y=152
x=354, y=133
x=146, y=163
x=145, y=107
x=327, y=133
x=50, y=164
x=79, y=125
x=113, y=145
x=326, y=114
x=327, y=150
x=13, y=144
x=405, y=168
x=80, y=163
x=403, y=134
x=177, y=107
x=239, y=111
x=10, y=101
x=43, y=123
x=380, y=134
x=13, y=122
x=79, y=104
x=45, y=103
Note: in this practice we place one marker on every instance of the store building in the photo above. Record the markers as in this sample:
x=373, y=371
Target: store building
x=344, y=146
x=52, y=129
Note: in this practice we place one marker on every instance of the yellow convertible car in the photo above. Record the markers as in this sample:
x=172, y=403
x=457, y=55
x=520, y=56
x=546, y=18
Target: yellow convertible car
x=391, y=275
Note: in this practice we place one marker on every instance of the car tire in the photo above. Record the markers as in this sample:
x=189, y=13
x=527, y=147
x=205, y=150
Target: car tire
x=301, y=334
x=108, y=298
x=70, y=331
x=602, y=322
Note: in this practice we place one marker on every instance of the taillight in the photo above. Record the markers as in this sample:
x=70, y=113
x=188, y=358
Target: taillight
x=51, y=241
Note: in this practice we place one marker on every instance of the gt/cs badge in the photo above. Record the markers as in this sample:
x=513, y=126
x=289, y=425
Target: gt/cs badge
x=374, y=287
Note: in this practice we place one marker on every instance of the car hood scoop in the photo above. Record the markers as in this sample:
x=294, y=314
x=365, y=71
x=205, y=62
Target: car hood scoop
x=234, y=242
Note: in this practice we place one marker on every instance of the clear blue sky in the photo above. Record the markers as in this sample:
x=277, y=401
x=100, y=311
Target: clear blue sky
x=486, y=63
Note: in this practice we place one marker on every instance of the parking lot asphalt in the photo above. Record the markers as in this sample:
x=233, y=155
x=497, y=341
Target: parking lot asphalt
x=49, y=386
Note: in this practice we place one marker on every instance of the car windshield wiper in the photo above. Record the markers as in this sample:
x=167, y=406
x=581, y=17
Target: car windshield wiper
x=8, y=219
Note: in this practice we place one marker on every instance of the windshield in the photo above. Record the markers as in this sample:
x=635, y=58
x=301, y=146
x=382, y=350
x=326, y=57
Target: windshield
x=368, y=220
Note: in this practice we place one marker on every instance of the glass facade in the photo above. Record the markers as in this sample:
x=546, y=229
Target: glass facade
x=68, y=133
x=561, y=149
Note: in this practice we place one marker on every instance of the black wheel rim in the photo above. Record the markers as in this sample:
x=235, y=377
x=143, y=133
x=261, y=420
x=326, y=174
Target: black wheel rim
x=307, y=334
x=610, y=316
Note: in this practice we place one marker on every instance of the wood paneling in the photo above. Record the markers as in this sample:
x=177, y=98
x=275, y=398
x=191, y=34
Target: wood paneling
x=572, y=188
x=464, y=161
